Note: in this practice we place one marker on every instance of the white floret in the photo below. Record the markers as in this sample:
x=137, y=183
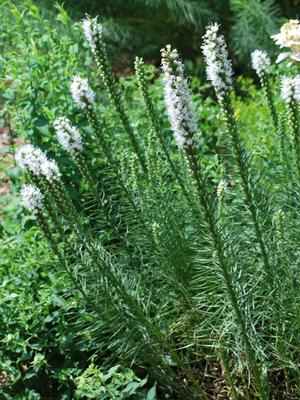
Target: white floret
x=177, y=98
x=68, y=136
x=218, y=66
x=82, y=93
x=32, y=198
x=260, y=62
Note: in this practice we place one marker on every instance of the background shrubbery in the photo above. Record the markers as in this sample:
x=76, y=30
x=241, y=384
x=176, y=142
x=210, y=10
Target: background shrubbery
x=144, y=26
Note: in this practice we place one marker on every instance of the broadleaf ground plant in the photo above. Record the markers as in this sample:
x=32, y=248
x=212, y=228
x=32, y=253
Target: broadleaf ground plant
x=184, y=266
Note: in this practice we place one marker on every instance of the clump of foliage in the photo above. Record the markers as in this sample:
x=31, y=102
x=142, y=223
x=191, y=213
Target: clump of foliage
x=184, y=264
x=115, y=384
x=39, y=351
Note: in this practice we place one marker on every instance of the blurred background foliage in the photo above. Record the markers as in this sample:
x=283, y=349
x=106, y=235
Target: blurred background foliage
x=144, y=26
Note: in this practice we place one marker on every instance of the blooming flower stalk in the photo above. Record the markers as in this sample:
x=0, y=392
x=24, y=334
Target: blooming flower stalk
x=218, y=66
x=290, y=89
x=219, y=72
x=93, y=32
x=71, y=140
x=35, y=162
x=30, y=158
x=32, y=198
x=82, y=93
x=183, y=125
x=45, y=173
x=142, y=82
x=68, y=136
x=84, y=97
x=261, y=64
x=177, y=98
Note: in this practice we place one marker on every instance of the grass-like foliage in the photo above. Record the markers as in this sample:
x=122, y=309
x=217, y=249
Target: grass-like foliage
x=183, y=266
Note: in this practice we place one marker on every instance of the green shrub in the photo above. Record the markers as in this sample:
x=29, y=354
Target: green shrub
x=39, y=350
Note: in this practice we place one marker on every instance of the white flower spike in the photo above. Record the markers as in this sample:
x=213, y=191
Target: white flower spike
x=32, y=198
x=218, y=66
x=92, y=30
x=35, y=161
x=68, y=136
x=177, y=98
x=260, y=62
x=290, y=89
x=82, y=93
x=50, y=170
x=30, y=158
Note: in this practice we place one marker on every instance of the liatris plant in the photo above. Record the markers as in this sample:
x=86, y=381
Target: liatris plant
x=219, y=71
x=198, y=279
x=93, y=32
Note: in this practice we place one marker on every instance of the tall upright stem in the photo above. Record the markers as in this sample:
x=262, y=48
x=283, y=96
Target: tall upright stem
x=265, y=83
x=293, y=116
x=246, y=179
x=219, y=247
x=114, y=92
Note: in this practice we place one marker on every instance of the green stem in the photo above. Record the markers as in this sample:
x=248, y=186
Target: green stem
x=88, y=178
x=227, y=372
x=293, y=116
x=265, y=83
x=219, y=247
x=139, y=315
x=44, y=226
x=114, y=91
x=246, y=178
x=140, y=72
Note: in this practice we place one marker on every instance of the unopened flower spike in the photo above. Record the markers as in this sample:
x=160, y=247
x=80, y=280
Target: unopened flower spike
x=218, y=66
x=68, y=136
x=177, y=98
x=82, y=93
x=221, y=189
x=260, y=62
x=32, y=198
